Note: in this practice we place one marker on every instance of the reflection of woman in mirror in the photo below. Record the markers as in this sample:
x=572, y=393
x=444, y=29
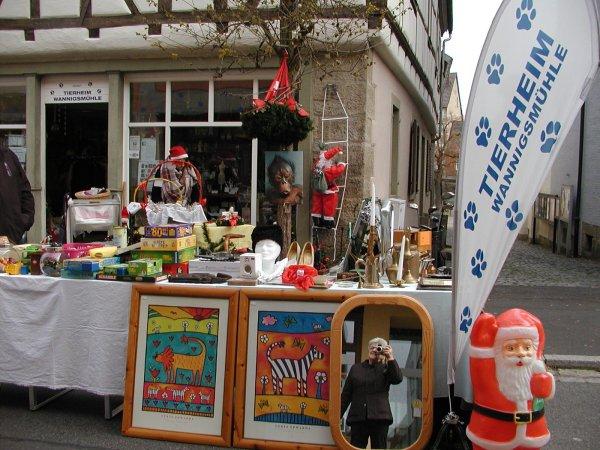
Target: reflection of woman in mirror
x=366, y=390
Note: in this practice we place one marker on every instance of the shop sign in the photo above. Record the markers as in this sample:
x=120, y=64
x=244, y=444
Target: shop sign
x=81, y=90
x=534, y=72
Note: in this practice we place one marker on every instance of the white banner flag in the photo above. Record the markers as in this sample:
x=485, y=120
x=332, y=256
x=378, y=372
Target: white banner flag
x=536, y=66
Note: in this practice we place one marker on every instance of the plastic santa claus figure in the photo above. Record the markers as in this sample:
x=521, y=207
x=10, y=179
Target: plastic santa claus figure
x=510, y=382
x=325, y=198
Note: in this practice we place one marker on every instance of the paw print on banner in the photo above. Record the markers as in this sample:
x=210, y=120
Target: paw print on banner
x=525, y=14
x=495, y=69
x=483, y=132
x=513, y=215
x=478, y=264
x=549, y=136
x=465, y=319
x=470, y=215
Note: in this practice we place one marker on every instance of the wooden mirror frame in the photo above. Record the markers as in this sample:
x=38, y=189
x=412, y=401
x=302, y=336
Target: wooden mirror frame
x=336, y=362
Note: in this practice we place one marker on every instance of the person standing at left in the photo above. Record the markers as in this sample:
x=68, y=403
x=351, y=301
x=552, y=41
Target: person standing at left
x=16, y=201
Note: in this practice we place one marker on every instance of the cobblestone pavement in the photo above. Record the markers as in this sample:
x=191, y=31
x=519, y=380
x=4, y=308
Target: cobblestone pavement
x=534, y=265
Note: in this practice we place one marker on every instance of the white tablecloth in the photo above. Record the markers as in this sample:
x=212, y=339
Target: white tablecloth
x=62, y=333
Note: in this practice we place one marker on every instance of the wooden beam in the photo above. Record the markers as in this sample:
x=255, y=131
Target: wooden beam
x=85, y=7
x=198, y=16
x=132, y=7
x=165, y=5
x=34, y=9
x=154, y=29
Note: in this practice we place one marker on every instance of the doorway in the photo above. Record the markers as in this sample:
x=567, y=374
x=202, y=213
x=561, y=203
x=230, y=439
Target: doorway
x=76, y=156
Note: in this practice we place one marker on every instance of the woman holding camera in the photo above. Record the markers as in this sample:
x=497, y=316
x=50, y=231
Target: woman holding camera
x=366, y=390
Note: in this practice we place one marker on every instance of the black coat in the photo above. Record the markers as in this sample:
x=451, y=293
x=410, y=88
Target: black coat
x=367, y=389
x=16, y=202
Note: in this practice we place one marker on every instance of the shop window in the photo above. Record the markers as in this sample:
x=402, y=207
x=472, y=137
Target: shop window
x=148, y=144
x=230, y=163
x=12, y=120
x=231, y=99
x=189, y=101
x=12, y=105
x=224, y=157
x=148, y=102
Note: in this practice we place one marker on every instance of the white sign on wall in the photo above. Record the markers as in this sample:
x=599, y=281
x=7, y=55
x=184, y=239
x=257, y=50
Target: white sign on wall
x=90, y=89
x=534, y=71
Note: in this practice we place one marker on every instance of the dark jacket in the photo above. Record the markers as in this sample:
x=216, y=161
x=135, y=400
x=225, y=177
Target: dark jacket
x=366, y=390
x=17, y=207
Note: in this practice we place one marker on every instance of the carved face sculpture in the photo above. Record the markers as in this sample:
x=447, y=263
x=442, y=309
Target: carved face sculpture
x=281, y=175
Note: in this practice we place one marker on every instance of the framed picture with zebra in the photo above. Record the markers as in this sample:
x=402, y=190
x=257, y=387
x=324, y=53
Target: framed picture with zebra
x=180, y=362
x=282, y=368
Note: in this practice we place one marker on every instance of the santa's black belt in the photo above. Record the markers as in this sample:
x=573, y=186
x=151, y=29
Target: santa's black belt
x=517, y=417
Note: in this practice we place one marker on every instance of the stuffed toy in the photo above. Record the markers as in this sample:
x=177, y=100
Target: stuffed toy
x=325, y=189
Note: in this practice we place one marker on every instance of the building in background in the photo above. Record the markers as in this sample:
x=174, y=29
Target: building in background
x=448, y=146
x=87, y=102
x=565, y=216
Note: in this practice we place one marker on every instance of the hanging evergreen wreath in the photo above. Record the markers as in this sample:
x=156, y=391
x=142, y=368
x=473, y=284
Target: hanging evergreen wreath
x=277, y=124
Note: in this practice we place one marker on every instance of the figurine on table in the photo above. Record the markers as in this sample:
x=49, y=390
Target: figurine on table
x=182, y=184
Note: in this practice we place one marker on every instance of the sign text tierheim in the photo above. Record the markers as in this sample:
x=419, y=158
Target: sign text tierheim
x=532, y=93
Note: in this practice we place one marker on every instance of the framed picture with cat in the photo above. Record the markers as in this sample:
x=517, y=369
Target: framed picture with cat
x=180, y=362
x=282, y=368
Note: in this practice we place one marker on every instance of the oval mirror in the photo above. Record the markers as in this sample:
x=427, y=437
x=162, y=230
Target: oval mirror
x=387, y=412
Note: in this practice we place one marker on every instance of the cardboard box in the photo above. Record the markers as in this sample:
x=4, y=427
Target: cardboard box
x=89, y=264
x=116, y=269
x=169, y=245
x=135, y=278
x=424, y=240
x=181, y=256
x=202, y=266
x=146, y=266
x=178, y=268
x=168, y=231
x=77, y=275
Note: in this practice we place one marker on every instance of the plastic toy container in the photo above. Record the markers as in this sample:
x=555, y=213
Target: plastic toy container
x=77, y=249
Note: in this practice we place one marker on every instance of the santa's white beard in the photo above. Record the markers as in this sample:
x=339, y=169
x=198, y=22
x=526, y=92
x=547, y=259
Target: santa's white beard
x=513, y=380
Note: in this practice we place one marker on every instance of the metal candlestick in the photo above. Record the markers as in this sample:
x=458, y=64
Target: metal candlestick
x=371, y=265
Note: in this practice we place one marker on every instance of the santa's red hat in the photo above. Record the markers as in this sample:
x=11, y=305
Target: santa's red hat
x=512, y=324
x=330, y=153
x=177, y=152
x=519, y=324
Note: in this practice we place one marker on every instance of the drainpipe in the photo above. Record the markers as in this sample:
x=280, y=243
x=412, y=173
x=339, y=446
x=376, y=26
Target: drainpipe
x=577, y=206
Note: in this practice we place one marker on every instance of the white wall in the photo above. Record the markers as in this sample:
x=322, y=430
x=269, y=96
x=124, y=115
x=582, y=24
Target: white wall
x=389, y=92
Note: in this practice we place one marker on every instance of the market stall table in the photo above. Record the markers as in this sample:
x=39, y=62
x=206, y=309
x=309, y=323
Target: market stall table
x=60, y=333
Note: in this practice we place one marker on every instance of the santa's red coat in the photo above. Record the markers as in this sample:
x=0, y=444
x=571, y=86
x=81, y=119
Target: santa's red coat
x=325, y=203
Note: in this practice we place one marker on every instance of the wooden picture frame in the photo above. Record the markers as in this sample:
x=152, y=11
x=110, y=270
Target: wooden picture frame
x=165, y=396
x=427, y=362
x=288, y=417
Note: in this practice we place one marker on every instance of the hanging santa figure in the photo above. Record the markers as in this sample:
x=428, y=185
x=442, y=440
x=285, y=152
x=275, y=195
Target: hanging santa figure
x=510, y=382
x=325, y=189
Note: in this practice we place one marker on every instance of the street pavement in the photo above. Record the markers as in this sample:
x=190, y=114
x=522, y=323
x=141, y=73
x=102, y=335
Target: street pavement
x=562, y=291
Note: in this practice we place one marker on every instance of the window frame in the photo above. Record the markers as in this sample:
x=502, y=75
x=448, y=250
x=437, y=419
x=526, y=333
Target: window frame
x=168, y=78
x=16, y=82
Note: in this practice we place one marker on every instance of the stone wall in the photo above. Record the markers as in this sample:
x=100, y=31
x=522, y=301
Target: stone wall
x=354, y=88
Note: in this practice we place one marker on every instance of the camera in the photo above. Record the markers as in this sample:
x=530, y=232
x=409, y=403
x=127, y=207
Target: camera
x=379, y=349
x=250, y=265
